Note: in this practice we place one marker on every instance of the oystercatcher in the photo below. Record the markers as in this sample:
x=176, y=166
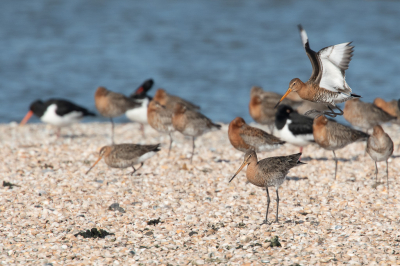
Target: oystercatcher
x=139, y=114
x=57, y=112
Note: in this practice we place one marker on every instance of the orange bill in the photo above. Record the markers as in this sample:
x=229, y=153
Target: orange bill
x=98, y=160
x=240, y=169
x=26, y=118
x=284, y=96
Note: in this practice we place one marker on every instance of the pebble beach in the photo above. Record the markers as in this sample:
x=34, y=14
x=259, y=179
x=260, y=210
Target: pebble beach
x=173, y=212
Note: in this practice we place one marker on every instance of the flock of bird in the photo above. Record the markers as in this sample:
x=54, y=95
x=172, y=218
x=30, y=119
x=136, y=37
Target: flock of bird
x=298, y=117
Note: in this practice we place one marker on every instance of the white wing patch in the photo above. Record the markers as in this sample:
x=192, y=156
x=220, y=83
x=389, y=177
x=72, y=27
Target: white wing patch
x=304, y=37
x=335, y=60
x=298, y=140
x=146, y=156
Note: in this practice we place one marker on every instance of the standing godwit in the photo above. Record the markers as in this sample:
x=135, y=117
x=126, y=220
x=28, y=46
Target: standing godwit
x=380, y=148
x=332, y=136
x=169, y=100
x=112, y=104
x=392, y=107
x=365, y=115
x=262, y=106
x=327, y=83
x=268, y=172
x=293, y=127
x=57, y=112
x=139, y=114
x=244, y=137
x=126, y=155
x=191, y=123
x=160, y=118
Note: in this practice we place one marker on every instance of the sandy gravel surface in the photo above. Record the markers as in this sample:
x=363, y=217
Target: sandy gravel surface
x=204, y=219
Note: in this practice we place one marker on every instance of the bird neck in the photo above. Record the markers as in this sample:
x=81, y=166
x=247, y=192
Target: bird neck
x=306, y=91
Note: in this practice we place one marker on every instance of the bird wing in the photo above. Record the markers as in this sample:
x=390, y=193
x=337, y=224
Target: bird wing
x=256, y=137
x=279, y=164
x=333, y=62
x=201, y=120
x=310, y=53
x=379, y=115
x=123, y=101
x=142, y=90
x=65, y=107
x=300, y=124
x=127, y=152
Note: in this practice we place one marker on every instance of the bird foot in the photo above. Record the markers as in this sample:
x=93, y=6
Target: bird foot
x=269, y=223
x=265, y=222
x=313, y=113
x=332, y=113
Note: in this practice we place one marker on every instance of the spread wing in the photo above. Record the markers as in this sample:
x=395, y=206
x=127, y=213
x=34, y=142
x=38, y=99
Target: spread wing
x=334, y=61
x=310, y=53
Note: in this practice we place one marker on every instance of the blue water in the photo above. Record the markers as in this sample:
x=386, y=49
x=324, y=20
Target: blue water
x=209, y=52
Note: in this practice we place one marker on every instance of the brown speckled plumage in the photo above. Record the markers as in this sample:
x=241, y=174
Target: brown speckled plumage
x=160, y=118
x=391, y=108
x=262, y=105
x=244, y=137
x=380, y=148
x=169, y=100
x=332, y=136
x=327, y=83
x=268, y=172
x=111, y=104
x=191, y=123
x=126, y=155
x=365, y=115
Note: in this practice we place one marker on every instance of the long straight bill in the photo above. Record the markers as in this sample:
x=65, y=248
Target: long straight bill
x=283, y=97
x=26, y=118
x=98, y=160
x=237, y=172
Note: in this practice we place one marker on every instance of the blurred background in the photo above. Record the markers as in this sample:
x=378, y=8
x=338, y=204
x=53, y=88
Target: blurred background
x=208, y=52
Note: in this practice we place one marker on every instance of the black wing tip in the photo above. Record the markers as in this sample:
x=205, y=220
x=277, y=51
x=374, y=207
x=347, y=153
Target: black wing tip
x=218, y=126
x=157, y=148
x=300, y=27
x=90, y=114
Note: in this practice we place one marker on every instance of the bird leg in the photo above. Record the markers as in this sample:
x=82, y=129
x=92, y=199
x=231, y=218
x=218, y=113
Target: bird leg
x=142, y=129
x=112, y=131
x=387, y=176
x=271, y=129
x=134, y=169
x=268, y=202
x=334, y=155
x=170, y=144
x=376, y=172
x=191, y=158
x=332, y=113
x=58, y=132
x=277, y=205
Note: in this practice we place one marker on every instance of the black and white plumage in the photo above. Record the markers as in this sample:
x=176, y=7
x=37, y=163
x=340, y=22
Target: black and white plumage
x=329, y=66
x=292, y=127
x=327, y=83
x=139, y=114
x=57, y=112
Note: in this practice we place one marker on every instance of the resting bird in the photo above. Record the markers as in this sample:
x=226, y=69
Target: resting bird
x=57, y=112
